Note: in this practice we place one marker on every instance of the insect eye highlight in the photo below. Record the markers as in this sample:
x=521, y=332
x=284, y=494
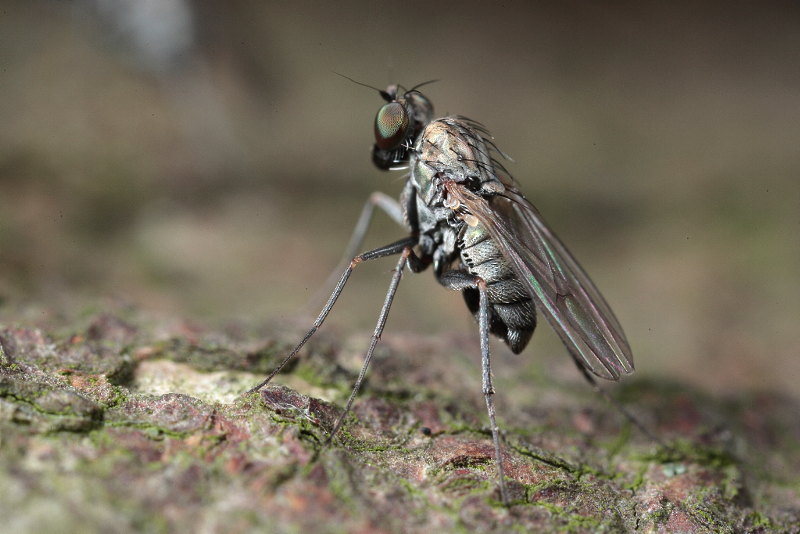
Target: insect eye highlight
x=391, y=126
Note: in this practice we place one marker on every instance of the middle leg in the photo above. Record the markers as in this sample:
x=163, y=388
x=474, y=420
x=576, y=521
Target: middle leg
x=399, y=247
x=376, y=335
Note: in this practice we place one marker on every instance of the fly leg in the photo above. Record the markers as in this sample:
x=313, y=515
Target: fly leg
x=488, y=388
x=460, y=280
x=388, y=250
x=616, y=404
x=376, y=335
x=389, y=206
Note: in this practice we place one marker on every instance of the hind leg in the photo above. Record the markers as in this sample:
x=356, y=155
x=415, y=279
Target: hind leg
x=460, y=280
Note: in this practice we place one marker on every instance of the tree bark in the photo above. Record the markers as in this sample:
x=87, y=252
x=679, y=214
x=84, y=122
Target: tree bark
x=131, y=422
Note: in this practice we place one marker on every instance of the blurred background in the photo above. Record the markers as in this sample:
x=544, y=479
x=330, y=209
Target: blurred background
x=202, y=158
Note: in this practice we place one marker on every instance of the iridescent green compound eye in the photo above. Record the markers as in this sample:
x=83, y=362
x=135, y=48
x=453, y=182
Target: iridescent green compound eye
x=391, y=126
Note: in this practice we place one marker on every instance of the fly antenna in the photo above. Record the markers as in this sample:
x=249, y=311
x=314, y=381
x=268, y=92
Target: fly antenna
x=421, y=84
x=386, y=96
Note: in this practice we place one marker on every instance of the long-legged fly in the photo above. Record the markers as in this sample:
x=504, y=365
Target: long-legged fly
x=468, y=220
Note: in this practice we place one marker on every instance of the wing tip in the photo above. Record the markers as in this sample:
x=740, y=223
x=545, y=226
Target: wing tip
x=611, y=370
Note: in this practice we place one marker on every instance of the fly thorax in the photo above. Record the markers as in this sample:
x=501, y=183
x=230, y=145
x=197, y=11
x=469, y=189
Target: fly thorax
x=451, y=149
x=449, y=238
x=426, y=218
x=446, y=249
x=423, y=174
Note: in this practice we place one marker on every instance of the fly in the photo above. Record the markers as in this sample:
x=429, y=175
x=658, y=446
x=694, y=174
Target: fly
x=469, y=222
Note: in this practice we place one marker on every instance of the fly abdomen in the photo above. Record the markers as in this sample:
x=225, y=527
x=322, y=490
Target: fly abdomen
x=483, y=258
x=507, y=291
x=512, y=314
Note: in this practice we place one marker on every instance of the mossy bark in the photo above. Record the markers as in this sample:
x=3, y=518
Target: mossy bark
x=127, y=424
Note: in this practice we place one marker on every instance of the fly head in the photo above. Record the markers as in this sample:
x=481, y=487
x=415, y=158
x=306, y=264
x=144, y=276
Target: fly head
x=398, y=123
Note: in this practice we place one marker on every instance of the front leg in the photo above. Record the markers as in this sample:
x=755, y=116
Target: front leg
x=400, y=247
x=390, y=207
x=377, y=199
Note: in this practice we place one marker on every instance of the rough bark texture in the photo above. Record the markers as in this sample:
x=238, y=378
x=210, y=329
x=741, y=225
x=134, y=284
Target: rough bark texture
x=132, y=423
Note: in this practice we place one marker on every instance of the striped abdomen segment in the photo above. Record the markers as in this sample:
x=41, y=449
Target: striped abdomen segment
x=512, y=313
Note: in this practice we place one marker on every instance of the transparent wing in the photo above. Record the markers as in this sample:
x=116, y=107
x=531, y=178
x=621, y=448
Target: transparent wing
x=560, y=288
